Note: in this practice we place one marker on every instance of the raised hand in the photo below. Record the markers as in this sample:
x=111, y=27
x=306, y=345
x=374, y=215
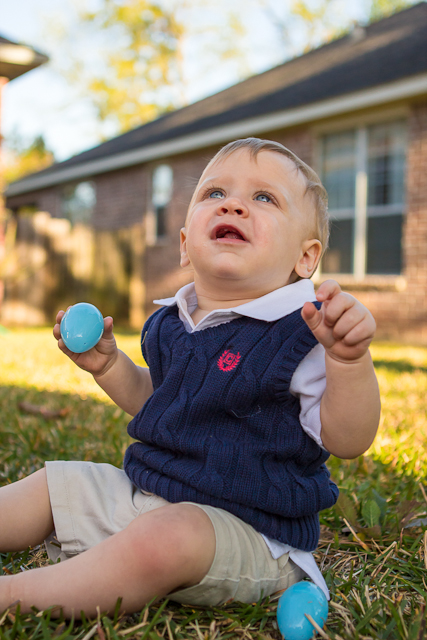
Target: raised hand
x=97, y=360
x=344, y=326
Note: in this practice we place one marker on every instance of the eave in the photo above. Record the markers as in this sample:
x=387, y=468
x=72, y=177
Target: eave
x=380, y=95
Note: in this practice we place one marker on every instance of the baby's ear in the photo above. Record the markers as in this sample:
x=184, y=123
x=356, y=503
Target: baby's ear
x=311, y=251
x=185, y=260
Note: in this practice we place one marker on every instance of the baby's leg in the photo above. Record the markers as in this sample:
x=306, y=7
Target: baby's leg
x=159, y=552
x=26, y=516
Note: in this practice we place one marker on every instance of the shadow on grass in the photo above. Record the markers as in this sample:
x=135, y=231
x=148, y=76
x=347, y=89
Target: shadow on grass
x=399, y=366
x=359, y=573
x=84, y=428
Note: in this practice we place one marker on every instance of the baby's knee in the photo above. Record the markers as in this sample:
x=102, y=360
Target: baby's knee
x=178, y=538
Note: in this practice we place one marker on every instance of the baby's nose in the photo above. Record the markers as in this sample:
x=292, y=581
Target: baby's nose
x=238, y=210
x=234, y=205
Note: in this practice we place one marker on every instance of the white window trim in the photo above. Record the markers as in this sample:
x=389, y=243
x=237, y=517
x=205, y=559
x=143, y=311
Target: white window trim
x=355, y=121
x=360, y=225
x=334, y=108
x=373, y=211
x=73, y=187
x=152, y=237
x=362, y=210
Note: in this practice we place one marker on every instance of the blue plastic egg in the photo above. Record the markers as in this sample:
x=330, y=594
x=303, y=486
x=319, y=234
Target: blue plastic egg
x=294, y=603
x=82, y=327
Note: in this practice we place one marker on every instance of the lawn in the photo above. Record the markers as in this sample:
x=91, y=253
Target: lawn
x=373, y=552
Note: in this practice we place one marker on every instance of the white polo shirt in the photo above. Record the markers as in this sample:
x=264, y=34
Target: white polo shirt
x=308, y=382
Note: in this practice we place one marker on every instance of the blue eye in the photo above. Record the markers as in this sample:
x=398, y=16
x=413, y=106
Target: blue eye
x=263, y=197
x=216, y=194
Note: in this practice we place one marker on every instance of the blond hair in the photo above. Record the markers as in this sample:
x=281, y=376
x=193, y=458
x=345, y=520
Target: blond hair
x=313, y=183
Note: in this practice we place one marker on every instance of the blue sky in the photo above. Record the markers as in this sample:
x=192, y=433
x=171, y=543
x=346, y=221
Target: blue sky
x=40, y=101
x=43, y=102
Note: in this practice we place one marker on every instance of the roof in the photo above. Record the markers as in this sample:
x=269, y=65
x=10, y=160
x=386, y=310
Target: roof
x=386, y=59
x=17, y=58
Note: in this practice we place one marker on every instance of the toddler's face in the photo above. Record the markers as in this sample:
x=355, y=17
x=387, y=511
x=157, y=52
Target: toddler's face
x=251, y=222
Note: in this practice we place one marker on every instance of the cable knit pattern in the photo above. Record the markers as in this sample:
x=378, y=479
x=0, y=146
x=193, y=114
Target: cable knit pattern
x=222, y=428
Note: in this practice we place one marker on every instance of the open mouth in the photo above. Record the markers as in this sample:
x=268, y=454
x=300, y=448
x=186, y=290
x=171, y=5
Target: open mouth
x=228, y=232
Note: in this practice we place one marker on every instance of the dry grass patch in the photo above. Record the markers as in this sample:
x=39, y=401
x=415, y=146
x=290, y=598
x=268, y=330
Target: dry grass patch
x=374, y=562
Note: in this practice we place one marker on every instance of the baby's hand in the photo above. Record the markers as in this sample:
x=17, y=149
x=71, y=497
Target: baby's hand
x=344, y=326
x=97, y=360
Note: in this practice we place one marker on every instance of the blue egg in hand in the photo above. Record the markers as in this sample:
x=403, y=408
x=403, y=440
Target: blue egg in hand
x=82, y=327
x=294, y=603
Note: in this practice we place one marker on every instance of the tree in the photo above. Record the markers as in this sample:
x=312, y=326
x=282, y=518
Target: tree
x=134, y=60
x=143, y=73
x=144, y=47
x=310, y=23
x=382, y=8
x=21, y=159
x=307, y=23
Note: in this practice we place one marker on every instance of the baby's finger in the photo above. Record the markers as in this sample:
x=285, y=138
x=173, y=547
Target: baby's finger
x=57, y=331
x=327, y=290
x=108, y=327
x=314, y=320
x=350, y=318
x=59, y=316
x=362, y=332
x=334, y=308
x=311, y=316
x=64, y=349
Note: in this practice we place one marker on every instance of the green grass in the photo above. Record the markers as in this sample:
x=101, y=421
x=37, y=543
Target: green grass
x=375, y=568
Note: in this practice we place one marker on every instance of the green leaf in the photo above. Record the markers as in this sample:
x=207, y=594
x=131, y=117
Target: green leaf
x=371, y=513
x=381, y=502
x=346, y=508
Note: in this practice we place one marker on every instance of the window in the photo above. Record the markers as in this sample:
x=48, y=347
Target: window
x=78, y=202
x=363, y=171
x=162, y=194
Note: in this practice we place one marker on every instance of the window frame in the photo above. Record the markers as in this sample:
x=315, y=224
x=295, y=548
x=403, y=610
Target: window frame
x=153, y=237
x=362, y=211
x=72, y=187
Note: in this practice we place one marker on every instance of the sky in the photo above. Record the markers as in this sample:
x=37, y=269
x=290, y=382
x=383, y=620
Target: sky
x=42, y=102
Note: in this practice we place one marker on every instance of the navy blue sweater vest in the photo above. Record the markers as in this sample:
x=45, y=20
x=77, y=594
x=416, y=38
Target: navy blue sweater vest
x=222, y=428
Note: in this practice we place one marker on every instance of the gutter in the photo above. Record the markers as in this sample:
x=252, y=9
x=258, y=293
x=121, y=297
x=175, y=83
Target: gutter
x=408, y=88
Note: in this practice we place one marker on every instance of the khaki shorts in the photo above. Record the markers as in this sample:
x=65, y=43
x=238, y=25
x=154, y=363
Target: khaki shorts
x=91, y=502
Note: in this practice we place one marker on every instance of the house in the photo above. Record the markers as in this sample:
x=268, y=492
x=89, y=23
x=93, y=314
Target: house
x=15, y=59
x=107, y=227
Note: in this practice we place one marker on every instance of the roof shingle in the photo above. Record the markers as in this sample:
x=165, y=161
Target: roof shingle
x=385, y=51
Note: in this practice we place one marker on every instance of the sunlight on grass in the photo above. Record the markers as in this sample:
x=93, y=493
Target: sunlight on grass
x=375, y=566
x=31, y=358
x=402, y=436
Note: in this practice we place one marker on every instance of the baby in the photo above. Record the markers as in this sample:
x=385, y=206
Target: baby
x=253, y=381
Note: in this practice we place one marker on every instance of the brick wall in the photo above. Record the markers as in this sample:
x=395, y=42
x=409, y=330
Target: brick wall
x=124, y=198
x=402, y=315
x=415, y=239
x=398, y=304
x=163, y=273
x=44, y=200
x=121, y=197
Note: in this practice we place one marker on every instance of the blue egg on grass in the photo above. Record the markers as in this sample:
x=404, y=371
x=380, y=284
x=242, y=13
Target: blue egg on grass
x=82, y=327
x=294, y=603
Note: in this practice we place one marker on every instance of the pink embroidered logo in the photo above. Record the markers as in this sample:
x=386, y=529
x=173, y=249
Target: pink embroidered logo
x=228, y=360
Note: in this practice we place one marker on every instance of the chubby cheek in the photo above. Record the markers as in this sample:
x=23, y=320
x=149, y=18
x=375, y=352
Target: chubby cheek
x=196, y=249
x=271, y=235
x=279, y=244
x=197, y=240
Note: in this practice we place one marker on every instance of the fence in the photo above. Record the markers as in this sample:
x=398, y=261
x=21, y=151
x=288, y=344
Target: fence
x=50, y=264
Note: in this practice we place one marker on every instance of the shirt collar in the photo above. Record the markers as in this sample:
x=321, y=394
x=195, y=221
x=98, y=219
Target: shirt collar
x=271, y=307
